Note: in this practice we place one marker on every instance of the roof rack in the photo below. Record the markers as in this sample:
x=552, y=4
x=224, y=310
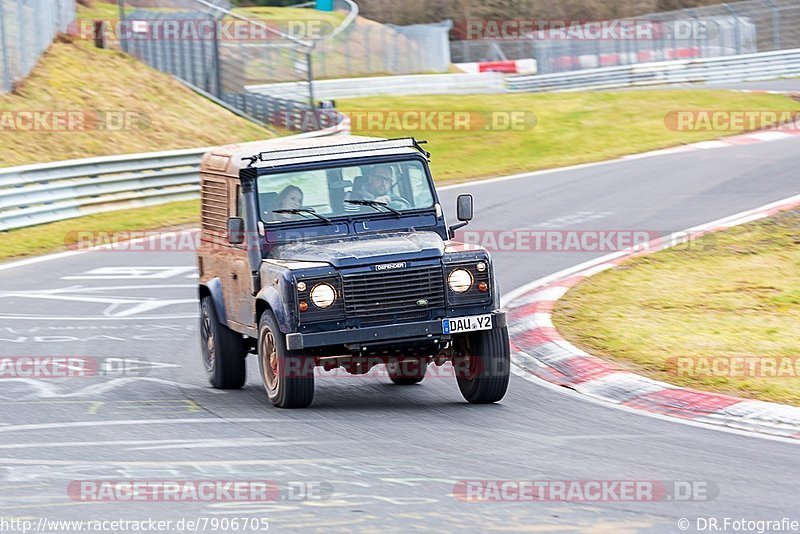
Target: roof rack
x=331, y=150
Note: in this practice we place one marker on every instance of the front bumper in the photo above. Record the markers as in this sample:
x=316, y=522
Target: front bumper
x=393, y=332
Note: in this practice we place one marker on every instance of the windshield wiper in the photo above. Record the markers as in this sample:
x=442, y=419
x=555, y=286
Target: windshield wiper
x=303, y=211
x=374, y=204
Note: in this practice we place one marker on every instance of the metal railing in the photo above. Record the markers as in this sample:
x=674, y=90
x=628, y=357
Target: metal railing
x=221, y=57
x=727, y=29
x=761, y=66
x=414, y=84
x=49, y=192
x=27, y=27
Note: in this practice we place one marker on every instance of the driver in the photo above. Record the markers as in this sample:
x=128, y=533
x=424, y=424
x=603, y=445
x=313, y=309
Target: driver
x=379, y=185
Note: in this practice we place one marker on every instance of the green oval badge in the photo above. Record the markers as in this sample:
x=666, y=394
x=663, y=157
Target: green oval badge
x=422, y=303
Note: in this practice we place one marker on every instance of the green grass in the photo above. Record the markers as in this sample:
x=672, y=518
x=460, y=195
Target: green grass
x=77, y=77
x=280, y=15
x=571, y=128
x=732, y=294
x=60, y=235
x=100, y=11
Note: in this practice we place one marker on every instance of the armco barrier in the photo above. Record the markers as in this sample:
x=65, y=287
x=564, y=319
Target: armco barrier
x=418, y=84
x=49, y=192
x=760, y=66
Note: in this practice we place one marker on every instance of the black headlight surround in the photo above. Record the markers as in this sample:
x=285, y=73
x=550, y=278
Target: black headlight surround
x=314, y=314
x=472, y=295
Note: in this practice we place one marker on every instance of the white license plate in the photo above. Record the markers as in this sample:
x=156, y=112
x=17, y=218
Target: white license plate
x=455, y=325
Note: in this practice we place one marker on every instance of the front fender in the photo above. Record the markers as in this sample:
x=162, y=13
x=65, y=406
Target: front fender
x=214, y=288
x=270, y=296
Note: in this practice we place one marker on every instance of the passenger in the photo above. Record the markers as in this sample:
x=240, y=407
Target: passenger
x=291, y=198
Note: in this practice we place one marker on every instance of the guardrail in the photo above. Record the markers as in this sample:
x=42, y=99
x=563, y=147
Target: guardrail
x=49, y=192
x=415, y=84
x=759, y=66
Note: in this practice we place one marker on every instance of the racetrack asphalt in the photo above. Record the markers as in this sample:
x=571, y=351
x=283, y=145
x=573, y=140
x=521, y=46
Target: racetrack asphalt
x=385, y=457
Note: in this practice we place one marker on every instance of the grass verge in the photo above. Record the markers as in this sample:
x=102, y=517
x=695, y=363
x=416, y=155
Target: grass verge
x=570, y=128
x=60, y=235
x=733, y=294
x=119, y=106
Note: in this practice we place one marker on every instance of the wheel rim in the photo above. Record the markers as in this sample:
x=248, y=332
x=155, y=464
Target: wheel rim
x=269, y=360
x=209, y=355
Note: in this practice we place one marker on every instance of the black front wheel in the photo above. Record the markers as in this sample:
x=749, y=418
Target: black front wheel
x=483, y=366
x=288, y=378
x=224, y=350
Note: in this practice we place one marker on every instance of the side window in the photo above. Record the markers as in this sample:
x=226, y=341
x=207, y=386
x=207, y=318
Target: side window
x=419, y=185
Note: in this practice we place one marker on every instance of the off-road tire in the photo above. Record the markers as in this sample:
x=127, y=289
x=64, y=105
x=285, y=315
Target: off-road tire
x=288, y=378
x=484, y=370
x=408, y=372
x=223, y=350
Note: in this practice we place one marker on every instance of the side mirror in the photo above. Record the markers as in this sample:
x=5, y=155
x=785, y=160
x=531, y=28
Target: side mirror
x=464, y=208
x=463, y=213
x=235, y=230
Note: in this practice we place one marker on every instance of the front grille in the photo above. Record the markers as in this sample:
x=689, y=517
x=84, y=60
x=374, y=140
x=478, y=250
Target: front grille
x=389, y=296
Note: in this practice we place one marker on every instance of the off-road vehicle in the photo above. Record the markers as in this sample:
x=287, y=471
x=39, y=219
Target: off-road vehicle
x=333, y=253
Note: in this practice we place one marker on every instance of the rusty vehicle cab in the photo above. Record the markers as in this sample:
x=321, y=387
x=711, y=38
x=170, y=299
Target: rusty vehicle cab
x=332, y=255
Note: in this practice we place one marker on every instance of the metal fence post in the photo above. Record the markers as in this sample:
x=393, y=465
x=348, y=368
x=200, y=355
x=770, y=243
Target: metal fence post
x=21, y=35
x=3, y=44
x=347, y=53
x=123, y=43
x=217, y=62
x=736, y=30
x=776, y=25
x=694, y=38
x=311, y=100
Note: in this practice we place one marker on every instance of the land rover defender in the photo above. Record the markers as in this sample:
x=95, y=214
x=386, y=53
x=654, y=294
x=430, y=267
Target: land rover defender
x=333, y=253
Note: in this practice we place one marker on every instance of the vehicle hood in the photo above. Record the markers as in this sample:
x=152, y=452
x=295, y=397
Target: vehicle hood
x=360, y=250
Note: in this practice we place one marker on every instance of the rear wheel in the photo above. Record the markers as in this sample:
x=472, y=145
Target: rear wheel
x=407, y=372
x=483, y=366
x=288, y=378
x=224, y=350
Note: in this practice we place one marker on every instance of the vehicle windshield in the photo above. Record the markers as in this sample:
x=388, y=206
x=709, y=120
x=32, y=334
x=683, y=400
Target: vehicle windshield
x=321, y=194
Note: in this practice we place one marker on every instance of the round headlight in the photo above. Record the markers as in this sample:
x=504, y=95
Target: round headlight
x=459, y=280
x=323, y=295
